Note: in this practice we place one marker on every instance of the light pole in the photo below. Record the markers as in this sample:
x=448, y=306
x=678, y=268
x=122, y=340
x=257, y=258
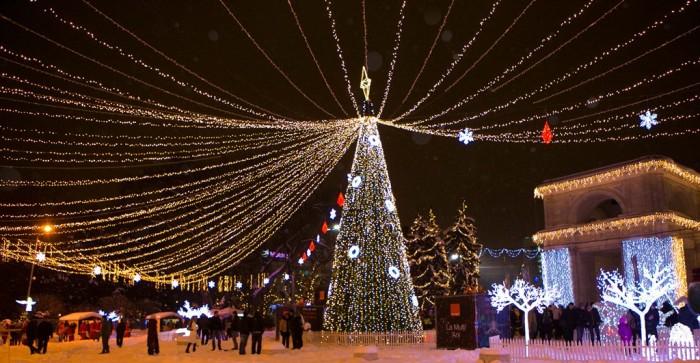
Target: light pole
x=47, y=229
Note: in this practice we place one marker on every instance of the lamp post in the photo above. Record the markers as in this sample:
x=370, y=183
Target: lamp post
x=47, y=229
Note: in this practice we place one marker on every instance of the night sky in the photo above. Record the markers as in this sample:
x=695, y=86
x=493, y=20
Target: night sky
x=427, y=172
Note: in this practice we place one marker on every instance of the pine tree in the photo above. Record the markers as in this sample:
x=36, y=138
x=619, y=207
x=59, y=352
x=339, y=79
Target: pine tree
x=428, y=260
x=370, y=289
x=464, y=251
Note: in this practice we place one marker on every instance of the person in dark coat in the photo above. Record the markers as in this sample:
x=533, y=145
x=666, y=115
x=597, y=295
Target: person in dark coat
x=152, y=337
x=121, y=329
x=203, y=324
x=105, y=333
x=216, y=326
x=31, y=331
x=44, y=331
x=596, y=320
x=257, y=331
x=297, y=330
x=546, y=324
x=583, y=322
x=652, y=321
x=233, y=333
x=568, y=323
x=245, y=325
x=283, y=326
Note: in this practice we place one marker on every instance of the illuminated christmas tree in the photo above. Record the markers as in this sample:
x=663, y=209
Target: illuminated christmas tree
x=370, y=289
x=427, y=258
x=464, y=251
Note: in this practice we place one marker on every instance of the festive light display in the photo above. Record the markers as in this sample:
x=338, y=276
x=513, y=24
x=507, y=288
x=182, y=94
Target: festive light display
x=653, y=284
x=460, y=239
x=546, y=133
x=619, y=172
x=617, y=224
x=647, y=120
x=427, y=258
x=524, y=296
x=512, y=253
x=371, y=292
x=466, y=136
x=641, y=253
x=556, y=273
x=681, y=335
x=28, y=303
x=189, y=312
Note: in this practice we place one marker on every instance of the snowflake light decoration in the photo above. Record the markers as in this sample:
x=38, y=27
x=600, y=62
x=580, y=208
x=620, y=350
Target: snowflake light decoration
x=354, y=251
x=212, y=284
x=394, y=272
x=466, y=136
x=356, y=181
x=137, y=277
x=389, y=205
x=40, y=256
x=97, y=270
x=175, y=283
x=332, y=214
x=647, y=120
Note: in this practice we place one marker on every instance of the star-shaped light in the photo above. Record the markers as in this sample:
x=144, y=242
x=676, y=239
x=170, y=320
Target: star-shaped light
x=97, y=270
x=212, y=284
x=239, y=285
x=266, y=281
x=647, y=120
x=365, y=83
x=175, y=283
x=332, y=214
x=40, y=256
x=466, y=136
x=27, y=303
x=137, y=277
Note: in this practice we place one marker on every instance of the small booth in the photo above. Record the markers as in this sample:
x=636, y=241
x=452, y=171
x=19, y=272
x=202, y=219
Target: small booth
x=166, y=320
x=86, y=325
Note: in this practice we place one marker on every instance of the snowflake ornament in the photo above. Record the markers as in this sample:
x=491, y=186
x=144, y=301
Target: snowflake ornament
x=647, y=120
x=332, y=214
x=466, y=136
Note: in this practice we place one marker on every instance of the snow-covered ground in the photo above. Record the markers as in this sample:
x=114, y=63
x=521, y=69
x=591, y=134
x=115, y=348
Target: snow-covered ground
x=134, y=350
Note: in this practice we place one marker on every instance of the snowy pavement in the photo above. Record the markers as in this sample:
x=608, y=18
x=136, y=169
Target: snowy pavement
x=272, y=351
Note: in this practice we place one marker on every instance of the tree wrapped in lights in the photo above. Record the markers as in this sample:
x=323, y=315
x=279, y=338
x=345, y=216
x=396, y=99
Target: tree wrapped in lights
x=464, y=251
x=524, y=296
x=427, y=258
x=638, y=297
x=370, y=289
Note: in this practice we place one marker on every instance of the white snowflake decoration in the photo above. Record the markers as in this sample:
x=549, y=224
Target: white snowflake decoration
x=266, y=281
x=373, y=140
x=414, y=300
x=524, y=296
x=286, y=276
x=647, y=120
x=354, y=251
x=394, y=272
x=389, y=205
x=175, y=283
x=466, y=136
x=239, y=285
x=332, y=214
x=212, y=284
x=137, y=277
x=97, y=270
x=40, y=256
x=356, y=181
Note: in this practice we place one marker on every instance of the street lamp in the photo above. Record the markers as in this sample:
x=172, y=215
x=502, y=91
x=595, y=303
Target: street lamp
x=47, y=229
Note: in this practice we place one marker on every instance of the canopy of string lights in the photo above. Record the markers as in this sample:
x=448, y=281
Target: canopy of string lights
x=126, y=153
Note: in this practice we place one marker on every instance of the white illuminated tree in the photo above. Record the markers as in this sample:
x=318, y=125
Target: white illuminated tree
x=524, y=296
x=638, y=296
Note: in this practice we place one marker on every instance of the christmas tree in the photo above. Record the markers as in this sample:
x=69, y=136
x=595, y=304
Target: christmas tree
x=464, y=251
x=427, y=258
x=370, y=289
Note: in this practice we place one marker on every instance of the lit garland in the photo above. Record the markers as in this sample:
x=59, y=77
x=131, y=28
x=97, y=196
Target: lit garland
x=640, y=253
x=512, y=253
x=617, y=224
x=373, y=291
x=556, y=273
x=619, y=172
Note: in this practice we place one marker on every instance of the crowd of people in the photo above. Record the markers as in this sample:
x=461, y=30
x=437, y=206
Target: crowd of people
x=576, y=323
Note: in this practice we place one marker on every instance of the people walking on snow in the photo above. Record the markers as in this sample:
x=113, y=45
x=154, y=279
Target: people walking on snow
x=44, y=331
x=257, y=331
x=192, y=339
x=105, y=332
x=594, y=329
x=245, y=325
x=30, y=332
x=215, y=330
x=152, y=338
x=121, y=329
x=203, y=324
x=297, y=330
x=283, y=326
x=233, y=331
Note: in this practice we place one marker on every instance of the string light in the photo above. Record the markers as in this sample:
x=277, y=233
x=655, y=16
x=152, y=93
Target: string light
x=556, y=273
x=645, y=252
x=394, y=58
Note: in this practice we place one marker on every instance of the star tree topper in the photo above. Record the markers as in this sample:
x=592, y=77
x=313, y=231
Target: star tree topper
x=365, y=83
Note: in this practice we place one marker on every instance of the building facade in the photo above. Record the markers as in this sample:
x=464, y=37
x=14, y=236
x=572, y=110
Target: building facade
x=624, y=216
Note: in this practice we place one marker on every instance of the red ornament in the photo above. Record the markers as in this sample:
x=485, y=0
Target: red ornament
x=312, y=246
x=303, y=257
x=324, y=227
x=546, y=133
x=340, y=200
